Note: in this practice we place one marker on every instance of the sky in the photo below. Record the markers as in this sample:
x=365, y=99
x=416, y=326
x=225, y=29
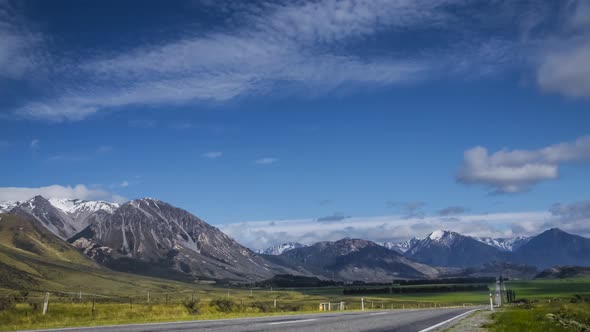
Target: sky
x=305, y=120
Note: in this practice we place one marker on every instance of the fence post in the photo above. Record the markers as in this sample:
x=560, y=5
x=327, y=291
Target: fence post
x=46, y=303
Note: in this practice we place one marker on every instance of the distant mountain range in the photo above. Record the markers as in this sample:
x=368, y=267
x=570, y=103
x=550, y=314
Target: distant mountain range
x=151, y=237
x=279, y=249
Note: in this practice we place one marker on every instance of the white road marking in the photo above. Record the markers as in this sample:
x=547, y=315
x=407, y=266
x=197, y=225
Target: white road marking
x=293, y=321
x=448, y=320
x=377, y=313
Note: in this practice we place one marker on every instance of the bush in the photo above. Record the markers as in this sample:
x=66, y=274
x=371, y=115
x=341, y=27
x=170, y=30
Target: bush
x=290, y=307
x=262, y=306
x=223, y=305
x=193, y=307
x=6, y=303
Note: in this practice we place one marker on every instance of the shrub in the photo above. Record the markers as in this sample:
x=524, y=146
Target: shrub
x=193, y=307
x=6, y=303
x=223, y=305
x=262, y=306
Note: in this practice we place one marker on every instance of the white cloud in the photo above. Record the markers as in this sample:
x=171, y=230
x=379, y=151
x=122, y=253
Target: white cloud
x=266, y=161
x=124, y=184
x=518, y=170
x=261, y=234
x=79, y=191
x=565, y=63
x=213, y=154
x=34, y=144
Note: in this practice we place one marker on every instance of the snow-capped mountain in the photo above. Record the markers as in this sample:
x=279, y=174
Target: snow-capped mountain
x=447, y=248
x=505, y=244
x=151, y=236
x=401, y=247
x=7, y=206
x=63, y=217
x=354, y=259
x=279, y=249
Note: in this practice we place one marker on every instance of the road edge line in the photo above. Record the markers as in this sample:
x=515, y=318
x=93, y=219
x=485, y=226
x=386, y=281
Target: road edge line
x=447, y=321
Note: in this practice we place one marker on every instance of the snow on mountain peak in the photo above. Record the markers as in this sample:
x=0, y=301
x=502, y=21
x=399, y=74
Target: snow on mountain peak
x=438, y=234
x=7, y=206
x=279, y=249
x=74, y=206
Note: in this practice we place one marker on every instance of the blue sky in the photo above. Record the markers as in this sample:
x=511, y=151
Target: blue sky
x=303, y=112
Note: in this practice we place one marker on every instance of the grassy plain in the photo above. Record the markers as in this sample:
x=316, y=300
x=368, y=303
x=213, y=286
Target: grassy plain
x=551, y=305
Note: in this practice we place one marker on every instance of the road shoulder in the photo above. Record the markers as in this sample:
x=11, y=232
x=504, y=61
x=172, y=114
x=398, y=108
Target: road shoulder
x=471, y=323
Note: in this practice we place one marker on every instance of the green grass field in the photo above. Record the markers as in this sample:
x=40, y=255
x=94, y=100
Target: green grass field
x=552, y=305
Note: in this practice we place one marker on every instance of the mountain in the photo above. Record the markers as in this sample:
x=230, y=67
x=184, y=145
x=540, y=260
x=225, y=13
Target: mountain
x=354, y=259
x=148, y=236
x=401, y=247
x=450, y=249
x=505, y=244
x=279, y=249
x=554, y=247
x=63, y=217
x=564, y=272
x=34, y=259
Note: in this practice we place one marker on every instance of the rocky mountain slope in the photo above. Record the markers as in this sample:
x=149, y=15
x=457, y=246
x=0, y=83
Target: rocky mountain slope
x=151, y=237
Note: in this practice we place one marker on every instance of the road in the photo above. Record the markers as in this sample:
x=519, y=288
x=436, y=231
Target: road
x=373, y=321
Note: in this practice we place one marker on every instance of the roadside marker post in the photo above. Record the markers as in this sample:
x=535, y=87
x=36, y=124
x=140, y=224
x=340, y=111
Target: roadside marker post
x=362, y=303
x=46, y=303
x=491, y=303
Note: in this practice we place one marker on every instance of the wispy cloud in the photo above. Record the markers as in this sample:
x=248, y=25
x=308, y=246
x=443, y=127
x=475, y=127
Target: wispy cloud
x=281, y=43
x=35, y=144
x=79, y=191
x=266, y=161
x=518, y=170
x=333, y=218
x=452, y=211
x=19, y=46
x=565, y=58
x=213, y=154
x=409, y=209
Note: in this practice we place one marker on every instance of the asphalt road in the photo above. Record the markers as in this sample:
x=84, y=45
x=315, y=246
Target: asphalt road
x=373, y=321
